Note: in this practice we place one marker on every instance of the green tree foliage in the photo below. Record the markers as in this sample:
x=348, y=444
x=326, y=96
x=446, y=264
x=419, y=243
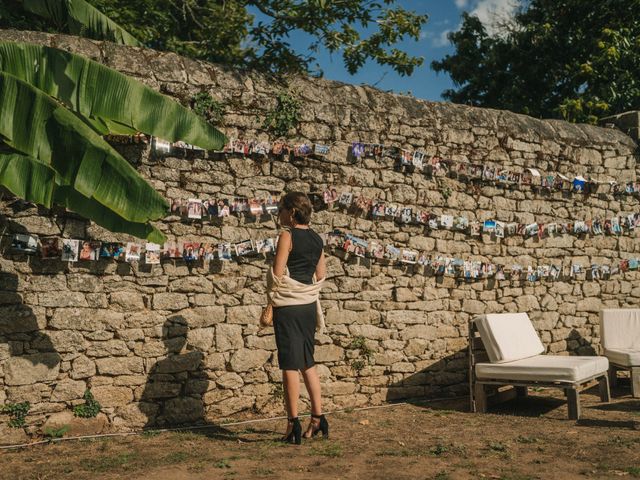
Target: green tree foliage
x=255, y=33
x=573, y=59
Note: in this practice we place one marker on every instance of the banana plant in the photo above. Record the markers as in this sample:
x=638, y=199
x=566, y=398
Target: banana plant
x=54, y=107
x=80, y=18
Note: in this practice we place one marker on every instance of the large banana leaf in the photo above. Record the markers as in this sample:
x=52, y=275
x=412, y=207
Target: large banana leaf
x=34, y=181
x=81, y=18
x=112, y=101
x=27, y=178
x=36, y=125
x=98, y=213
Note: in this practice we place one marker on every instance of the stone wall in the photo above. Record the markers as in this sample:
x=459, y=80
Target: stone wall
x=189, y=334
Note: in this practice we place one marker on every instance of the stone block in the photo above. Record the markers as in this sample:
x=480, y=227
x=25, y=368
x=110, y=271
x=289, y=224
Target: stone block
x=328, y=353
x=67, y=390
x=245, y=315
x=244, y=359
x=191, y=284
x=200, y=338
x=30, y=369
x=115, y=348
x=64, y=341
x=170, y=301
x=55, y=299
x=119, y=366
x=230, y=380
x=82, y=367
x=86, y=319
x=228, y=337
x=127, y=301
x=110, y=396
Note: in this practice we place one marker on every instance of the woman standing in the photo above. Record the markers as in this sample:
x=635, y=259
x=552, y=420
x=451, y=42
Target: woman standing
x=298, y=273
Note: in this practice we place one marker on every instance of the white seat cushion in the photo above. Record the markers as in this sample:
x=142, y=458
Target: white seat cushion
x=508, y=336
x=620, y=328
x=625, y=357
x=544, y=368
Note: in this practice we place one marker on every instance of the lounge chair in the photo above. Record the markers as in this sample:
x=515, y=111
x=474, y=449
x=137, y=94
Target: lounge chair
x=504, y=349
x=620, y=339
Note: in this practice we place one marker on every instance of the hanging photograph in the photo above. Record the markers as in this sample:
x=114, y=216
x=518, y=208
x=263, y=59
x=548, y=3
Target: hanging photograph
x=335, y=239
x=363, y=204
x=345, y=199
x=171, y=250
x=531, y=230
x=255, y=207
x=223, y=208
x=475, y=229
x=70, y=249
x=422, y=217
x=265, y=246
x=271, y=205
x=391, y=210
x=302, y=150
x=112, y=250
x=209, y=251
x=224, y=251
x=418, y=160
x=409, y=256
x=461, y=223
x=406, y=158
x=376, y=249
x=152, y=254
x=50, y=248
x=378, y=210
x=89, y=250
x=446, y=221
x=133, y=252
x=319, y=149
x=24, y=243
x=245, y=248
x=191, y=251
x=489, y=226
x=194, y=208
x=500, y=229
x=406, y=216
x=357, y=149
x=356, y=246
x=391, y=252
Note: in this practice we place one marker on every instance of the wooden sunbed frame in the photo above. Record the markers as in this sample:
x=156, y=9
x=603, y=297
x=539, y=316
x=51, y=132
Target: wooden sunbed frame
x=487, y=392
x=634, y=373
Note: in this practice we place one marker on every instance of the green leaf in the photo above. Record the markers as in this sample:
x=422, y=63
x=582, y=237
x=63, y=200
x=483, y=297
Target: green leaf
x=36, y=125
x=101, y=215
x=105, y=96
x=27, y=178
x=81, y=18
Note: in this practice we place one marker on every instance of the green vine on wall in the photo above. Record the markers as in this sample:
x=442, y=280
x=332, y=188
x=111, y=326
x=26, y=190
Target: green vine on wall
x=284, y=116
x=91, y=407
x=17, y=413
x=208, y=108
x=360, y=343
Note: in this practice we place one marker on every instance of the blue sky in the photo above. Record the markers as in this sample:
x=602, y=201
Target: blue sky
x=444, y=16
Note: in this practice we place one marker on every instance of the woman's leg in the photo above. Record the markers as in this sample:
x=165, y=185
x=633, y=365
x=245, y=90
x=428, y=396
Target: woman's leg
x=312, y=382
x=291, y=384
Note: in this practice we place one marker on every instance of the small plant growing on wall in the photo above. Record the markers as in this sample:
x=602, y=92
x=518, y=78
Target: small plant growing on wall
x=17, y=413
x=91, y=407
x=360, y=343
x=284, y=116
x=208, y=108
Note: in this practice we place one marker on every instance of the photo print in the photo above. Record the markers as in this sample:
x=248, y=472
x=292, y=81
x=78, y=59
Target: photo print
x=70, y=250
x=409, y=256
x=376, y=249
x=422, y=217
x=112, y=250
x=355, y=245
x=152, y=254
x=223, y=208
x=461, y=223
x=406, y=215
x=475, y=229
x=209, y=250
x=500, y=229
x=261, y=148
x=24, y=243
x=172, y=250
x=391, y=252
x=531, y=230
x=255, y=207
x=335, y=239
x=378, y=209
x=489, y=226
x=90, y=250
x=177, y=207
x=50, y=248
x=320, y=149
x=271, y=205
x=190, y=251
x=418, y=160
x=330, y=196
x=265, y=246
x=346, y=198
x=423, y=259
x=363, y=204
x=224, y=251
x=406, y=158
x=244, y=248
x=391, y=210
x=446, y=221
x=194, y=208
x=133, y=252
x=357, y=149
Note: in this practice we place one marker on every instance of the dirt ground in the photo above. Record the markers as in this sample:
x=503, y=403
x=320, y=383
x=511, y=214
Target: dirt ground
x=527, y=438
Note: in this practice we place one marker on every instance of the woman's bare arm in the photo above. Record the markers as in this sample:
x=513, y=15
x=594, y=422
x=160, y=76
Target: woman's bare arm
x=282, y=253
x=321, y=268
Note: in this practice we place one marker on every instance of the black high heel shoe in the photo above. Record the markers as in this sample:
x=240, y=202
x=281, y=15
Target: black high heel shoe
x=314, y=429
x=295, y=435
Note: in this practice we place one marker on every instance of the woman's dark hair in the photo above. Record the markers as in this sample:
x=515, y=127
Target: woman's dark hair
x=299, y=205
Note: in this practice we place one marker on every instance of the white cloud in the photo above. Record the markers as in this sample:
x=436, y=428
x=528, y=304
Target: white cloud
x=436, y=39
x=492, y=12
x=462, y=3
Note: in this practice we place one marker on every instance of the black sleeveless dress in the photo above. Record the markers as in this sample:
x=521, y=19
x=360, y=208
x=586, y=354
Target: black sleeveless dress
x=295, y=325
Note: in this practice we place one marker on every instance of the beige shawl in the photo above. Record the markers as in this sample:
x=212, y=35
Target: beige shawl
x=285, y=291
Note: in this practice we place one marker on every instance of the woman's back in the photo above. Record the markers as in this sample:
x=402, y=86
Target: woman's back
x=305, y=253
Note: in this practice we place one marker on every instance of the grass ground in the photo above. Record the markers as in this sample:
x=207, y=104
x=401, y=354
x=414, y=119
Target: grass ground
x=524, y=439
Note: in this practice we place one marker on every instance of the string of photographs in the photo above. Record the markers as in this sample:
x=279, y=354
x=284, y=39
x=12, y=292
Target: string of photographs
x=416, y=161
x=245, y=147
x=73, y=250
x=381, y=210
x=438, y=265
x=410, y=161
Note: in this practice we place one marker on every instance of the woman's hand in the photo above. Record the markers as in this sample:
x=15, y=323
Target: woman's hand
x=282, y=253
x=321, y=268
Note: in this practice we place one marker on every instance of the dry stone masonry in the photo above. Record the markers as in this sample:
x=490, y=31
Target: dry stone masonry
x=179, y=343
